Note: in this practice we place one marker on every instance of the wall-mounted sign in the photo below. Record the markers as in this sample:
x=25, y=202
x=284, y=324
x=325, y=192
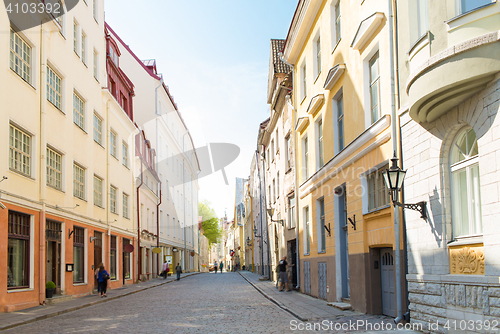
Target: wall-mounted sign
x=69, y=267
x=128, y=248
x=156, y=250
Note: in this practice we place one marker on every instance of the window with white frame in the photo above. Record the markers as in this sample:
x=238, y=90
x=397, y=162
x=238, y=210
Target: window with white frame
x=96, y=65
x=78, y=111
x=78, y=255
x=83, y=51
x=75, y=38
x=317, y=58
x=112, y=143
x=278, y=184
x=274, y=190
x=464, y=6
x=95, y=10
x=54, y=88
x=271, y=147
x=277, y=141
x=54, y=169
x=125, y=200
x=98, y=191
x=305, y=159
x=78, y=181
x=374, y=88
x=18, y=250
x=20, y=56
x=337, y=23
x=167, y=190
x=124, y=154
x=113, y=260
x=112, y=199
x=288, y=164
x=321, y=225
x=419, y=22
x=307, y=231
x=291, y=212
x=59, y=19
x=378, y=195
x=97, y=129
x=19, y=151
x=303, y=76
x=319, y=139
x=465, y=185
x=339, y=118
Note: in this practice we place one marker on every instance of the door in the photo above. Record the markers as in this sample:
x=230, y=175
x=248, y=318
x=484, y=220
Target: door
x=307, y=277
x=322, y=280
x=53, y=253
x=293, y=254
x=387, y=281
x=97, y=252
x=344, y=242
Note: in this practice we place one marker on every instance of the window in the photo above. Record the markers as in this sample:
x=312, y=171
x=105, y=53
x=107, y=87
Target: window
x=317, y=47
x=19, y=151
x=288, y=164
x=340, y=123
x=305, y=159
x=97, y=129
x=112, y=258
x=84, y=40
x=291, y=212
x=98, y=191
x=277, y=142
x=54, y=168
x=20, y=56
x=465, y=185
x=319, y=128
x=75, y=37
x=271, y=147
x=274, y=190
x=465, y=6
x=95, y=9
x=167, y=190
x=53, y=88
x=59, y=18
x=78, y=254
x=78, y=181
x=378, y=195
x=374, y=89
x=278, y=185
x=338, y=31
x=18, y=251
x=307, y=231
x=112, y=200
x=124, y=154
x=126, y=260
x=321, y=221
x=125, y=205
x=304, y=81
x=112, y=143
x=419, y=22
x=78, y=111
x=96, y=65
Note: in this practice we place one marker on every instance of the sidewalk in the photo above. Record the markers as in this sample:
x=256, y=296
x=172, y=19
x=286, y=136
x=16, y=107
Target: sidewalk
x=13, y=319
x=313, y=310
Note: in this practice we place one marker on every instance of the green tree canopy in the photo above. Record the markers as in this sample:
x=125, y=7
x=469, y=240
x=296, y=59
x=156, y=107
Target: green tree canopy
x=209, y=222
x=205, y=210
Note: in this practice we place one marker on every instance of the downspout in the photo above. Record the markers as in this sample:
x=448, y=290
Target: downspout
x=42, y=174
x=394, y=126
x=108, y=128
x=158, y=264
x=139, y=255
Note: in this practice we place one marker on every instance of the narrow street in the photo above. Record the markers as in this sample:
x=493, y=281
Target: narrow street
x=223, y=303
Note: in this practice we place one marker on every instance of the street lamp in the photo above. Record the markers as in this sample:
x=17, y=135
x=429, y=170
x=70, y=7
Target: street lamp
x=394, y=177
x=270, y=212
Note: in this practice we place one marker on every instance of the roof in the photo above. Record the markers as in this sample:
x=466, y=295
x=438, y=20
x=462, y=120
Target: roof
x=277, y=46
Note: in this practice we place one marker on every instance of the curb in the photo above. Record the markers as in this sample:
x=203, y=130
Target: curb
x=279, y=304
x=79, y=307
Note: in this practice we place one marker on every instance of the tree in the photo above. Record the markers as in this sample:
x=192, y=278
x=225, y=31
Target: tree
x=209, y=222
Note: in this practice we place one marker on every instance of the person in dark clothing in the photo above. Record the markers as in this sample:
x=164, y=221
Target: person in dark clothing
x=178, y=270
x=216, y=266
x=102, y=278
x=283, y=274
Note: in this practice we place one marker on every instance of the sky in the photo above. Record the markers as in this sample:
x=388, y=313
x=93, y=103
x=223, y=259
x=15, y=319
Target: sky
x=214, y=57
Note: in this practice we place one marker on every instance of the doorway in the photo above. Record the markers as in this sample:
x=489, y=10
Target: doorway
x=97, y=253
x=53, y=253
x=343, y=241
x=322, y=280
x=387, y=281
x=292, y=250
x=307, y=277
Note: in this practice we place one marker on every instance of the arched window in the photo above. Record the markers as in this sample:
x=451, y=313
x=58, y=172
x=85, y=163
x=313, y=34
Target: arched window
x=465, y=194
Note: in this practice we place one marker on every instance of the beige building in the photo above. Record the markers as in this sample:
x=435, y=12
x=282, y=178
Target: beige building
x=69, y=186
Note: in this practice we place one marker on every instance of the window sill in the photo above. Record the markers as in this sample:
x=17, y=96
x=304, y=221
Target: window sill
x=322, y=252
x=12, y=290
x=99, y=206
x=78, y=126
x=21, y=78
x=288, y=170
x=79, y=283
x=95, y=141
x=336, y=45
x=306, y=254
x=21, y=174
x=57, y=189
x=96, y=80
x=303, y=99
x=81, y=199
x=58, y=109
x=291, y=228
x=114, y=157
x=115, y=213
x=466, y=240
x=317, y=77
x=126, y=166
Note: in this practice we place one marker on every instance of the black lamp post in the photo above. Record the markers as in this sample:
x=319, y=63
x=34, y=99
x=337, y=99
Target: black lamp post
x=394, y=177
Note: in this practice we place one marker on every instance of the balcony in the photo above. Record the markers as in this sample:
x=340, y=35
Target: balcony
x=438, y=83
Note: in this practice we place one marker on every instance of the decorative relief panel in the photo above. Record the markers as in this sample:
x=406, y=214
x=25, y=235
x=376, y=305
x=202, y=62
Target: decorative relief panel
x=467, y=260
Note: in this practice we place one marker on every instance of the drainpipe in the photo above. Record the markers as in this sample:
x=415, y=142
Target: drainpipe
x=42, y=169
x=139, y=255
x=394, y=126
x=158, y=232
x=108, y=128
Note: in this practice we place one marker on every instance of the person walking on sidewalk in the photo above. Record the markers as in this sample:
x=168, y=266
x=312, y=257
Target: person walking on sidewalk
x=102, y=278
x=215, y=266
x=96, y=272
x=165, y=269
x=283, y=274
x=178, y=270
x=221, y=266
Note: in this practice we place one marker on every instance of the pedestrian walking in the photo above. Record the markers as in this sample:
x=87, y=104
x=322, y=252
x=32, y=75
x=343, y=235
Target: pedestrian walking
x=165, y=269
x=178, y=270
x=221, y=266
x=96, y=272
x=215, y=266
x=102, y=278
x=283, y=274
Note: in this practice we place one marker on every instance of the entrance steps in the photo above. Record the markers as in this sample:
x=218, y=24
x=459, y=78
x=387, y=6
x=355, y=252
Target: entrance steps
x=341, y=306
x=58, y=299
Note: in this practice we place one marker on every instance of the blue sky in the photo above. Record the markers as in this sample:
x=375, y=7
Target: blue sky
x=214, y=56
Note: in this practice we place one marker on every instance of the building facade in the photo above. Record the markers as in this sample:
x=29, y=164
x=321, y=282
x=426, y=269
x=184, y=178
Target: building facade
x=449, y=96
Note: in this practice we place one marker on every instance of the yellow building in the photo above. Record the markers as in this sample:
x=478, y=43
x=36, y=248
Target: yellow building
x=342, y=99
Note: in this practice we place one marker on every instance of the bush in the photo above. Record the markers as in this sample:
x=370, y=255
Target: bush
x=50, y=285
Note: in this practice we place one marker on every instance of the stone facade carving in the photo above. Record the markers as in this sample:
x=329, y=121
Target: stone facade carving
x=467, y=260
